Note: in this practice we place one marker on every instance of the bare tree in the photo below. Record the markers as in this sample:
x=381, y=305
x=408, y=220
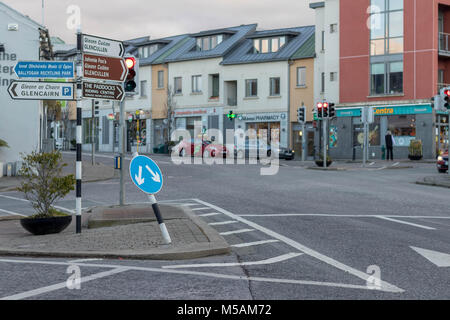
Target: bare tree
x=170, y=106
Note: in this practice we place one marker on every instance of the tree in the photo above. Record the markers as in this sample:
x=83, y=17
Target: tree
x=3, y=144
x=44, y=183
x=170, y=105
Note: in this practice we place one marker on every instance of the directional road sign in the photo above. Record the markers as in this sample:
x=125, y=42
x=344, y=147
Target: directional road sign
x=103, y=91
x=104, y=68
x=45, y=69
x=102, y=46
x=146, y=174
x=34, y=90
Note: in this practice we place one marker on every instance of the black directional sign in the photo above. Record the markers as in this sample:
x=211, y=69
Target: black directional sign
x=103, y=91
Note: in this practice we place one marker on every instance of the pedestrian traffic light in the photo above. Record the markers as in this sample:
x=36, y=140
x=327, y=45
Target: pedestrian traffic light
x=319, y=110
x=231, y=116
x=331, y=110
x=325, y=110
x=132, y=77
x=301, y=114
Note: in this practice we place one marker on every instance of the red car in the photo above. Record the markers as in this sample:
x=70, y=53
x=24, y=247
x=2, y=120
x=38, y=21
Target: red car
x=442, y=162
x=208, y=149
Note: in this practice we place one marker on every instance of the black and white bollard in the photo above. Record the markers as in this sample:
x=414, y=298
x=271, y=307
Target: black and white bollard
x=78, y=173
x=159, y=218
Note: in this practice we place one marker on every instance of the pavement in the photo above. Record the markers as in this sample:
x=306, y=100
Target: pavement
x=129, y=232
x=442, y=180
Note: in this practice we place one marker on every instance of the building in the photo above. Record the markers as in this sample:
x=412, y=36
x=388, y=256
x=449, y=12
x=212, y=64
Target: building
x=393, y=56
x=22, y=123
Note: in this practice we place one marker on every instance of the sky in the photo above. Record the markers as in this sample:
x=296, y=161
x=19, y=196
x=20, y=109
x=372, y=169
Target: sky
x=128, y=19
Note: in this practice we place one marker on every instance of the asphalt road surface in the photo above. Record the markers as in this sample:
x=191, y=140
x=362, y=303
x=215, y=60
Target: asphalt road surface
x=298, y=234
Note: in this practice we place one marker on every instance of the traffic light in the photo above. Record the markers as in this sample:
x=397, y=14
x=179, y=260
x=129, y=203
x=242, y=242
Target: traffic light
x=331, y=110
x=132, y=77
x=96, y=107
x=231, y=116
x=319, y=110
x=447, y=98
x=301, y=114
x=325, y=110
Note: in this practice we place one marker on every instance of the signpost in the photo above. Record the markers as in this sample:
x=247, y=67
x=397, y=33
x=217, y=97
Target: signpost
x=45, y=69
x=102, y=46
x=147, y=176
x=103, y=91
x=35, y=90
x=104, y=68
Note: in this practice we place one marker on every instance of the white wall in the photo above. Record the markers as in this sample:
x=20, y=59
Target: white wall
x=19, y=120
x=327, y=61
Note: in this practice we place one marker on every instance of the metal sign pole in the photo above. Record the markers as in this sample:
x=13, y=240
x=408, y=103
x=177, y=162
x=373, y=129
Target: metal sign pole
x=93, y=132
x=160, y=220
x=325, y=142
x=303, y=142
x=79, y=134
x=122, y=135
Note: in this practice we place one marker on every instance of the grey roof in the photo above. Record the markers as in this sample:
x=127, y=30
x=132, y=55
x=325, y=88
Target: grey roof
x=170, y=42
x=185, y=52
x=244, y=53
x=36, y=24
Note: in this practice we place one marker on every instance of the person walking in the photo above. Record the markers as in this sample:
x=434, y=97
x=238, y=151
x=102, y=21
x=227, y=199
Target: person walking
x=389, y=139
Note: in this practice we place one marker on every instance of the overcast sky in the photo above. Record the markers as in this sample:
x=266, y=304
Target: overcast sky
x=127, y=19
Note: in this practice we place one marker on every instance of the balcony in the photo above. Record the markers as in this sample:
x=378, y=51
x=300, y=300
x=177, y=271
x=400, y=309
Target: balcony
x=444, y=48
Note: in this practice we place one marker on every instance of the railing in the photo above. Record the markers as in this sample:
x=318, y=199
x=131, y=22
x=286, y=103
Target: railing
x=444, y=43
x=232, y=101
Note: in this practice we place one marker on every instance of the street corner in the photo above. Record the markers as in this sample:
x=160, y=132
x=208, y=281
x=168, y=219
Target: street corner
x=441, y=180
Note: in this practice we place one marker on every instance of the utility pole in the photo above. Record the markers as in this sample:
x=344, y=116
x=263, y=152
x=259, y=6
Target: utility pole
x=122, y=137
x=93, y=132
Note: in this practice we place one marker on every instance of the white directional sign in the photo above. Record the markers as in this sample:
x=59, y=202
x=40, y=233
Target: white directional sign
x=102, y=46
x=34, y=90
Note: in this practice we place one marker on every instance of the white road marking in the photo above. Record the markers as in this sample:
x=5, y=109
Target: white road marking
x=362, y=275
x=12, y=213
x=407, y=223
x=25, y=200
x=338, y=215
x=207, y=274
x=197, y=209
x=222, y=223
x=235, y=232
x=63, y=285
x=440, y=259
x=395, y=164
x=209, y=214
x=249, y=244
x=84, y=260
x=281, y=258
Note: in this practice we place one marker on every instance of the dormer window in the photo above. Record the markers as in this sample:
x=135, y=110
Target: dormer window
x=268, y=45
x=147, y=51
x=209, y=42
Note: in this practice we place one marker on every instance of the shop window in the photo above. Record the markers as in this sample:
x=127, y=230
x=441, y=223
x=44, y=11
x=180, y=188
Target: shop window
x=133, y=133
x=403, y=129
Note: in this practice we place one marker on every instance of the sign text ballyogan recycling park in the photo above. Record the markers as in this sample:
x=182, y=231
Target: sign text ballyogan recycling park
x=45, y=69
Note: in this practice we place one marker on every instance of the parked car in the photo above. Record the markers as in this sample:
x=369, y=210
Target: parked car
x=200, y=148
x=442, y=162
x=254, y=148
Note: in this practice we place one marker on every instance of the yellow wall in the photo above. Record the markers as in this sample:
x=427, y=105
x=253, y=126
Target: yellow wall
x=159, y=96
x=303, y=94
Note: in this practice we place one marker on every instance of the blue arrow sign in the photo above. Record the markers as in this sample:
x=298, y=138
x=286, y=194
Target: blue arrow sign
x=45, y=69
x=146, y=174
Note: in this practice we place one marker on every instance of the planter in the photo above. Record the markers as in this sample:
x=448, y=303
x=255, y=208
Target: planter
x=41, y=226
x=319, y=163
x=411, y=157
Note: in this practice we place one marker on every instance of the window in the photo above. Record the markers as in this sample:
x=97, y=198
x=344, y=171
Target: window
x=209, y=43
x=251, y=88
x=274, y=86
x=160, y=79
x=196, y=84
x=177, y=85
x=144, y=88
x=268, y=45
x=333, y=76
x=333, y=28
x=323, y=40
x=386, y=47
x=322, y=88
x=301, y=77
x=403, y=128
x=215, y=86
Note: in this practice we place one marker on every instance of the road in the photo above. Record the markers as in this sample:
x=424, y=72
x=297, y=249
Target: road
x=299, y=234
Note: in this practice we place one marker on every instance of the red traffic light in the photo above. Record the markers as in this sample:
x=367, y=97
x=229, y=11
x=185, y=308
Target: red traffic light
x=325, y=104
x=447, y=92
x=130, y=62
x=319, y=105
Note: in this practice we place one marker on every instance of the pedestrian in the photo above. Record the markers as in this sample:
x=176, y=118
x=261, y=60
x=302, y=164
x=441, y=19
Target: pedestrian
x=389, y=146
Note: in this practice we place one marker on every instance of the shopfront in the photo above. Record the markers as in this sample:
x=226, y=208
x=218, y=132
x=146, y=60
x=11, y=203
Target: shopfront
x=210, y=118
x=269, y=126
x=406, y=123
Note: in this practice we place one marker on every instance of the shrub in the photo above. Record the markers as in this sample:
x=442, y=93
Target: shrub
x=3, y=143
x=43, y=181
x=415, y=148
